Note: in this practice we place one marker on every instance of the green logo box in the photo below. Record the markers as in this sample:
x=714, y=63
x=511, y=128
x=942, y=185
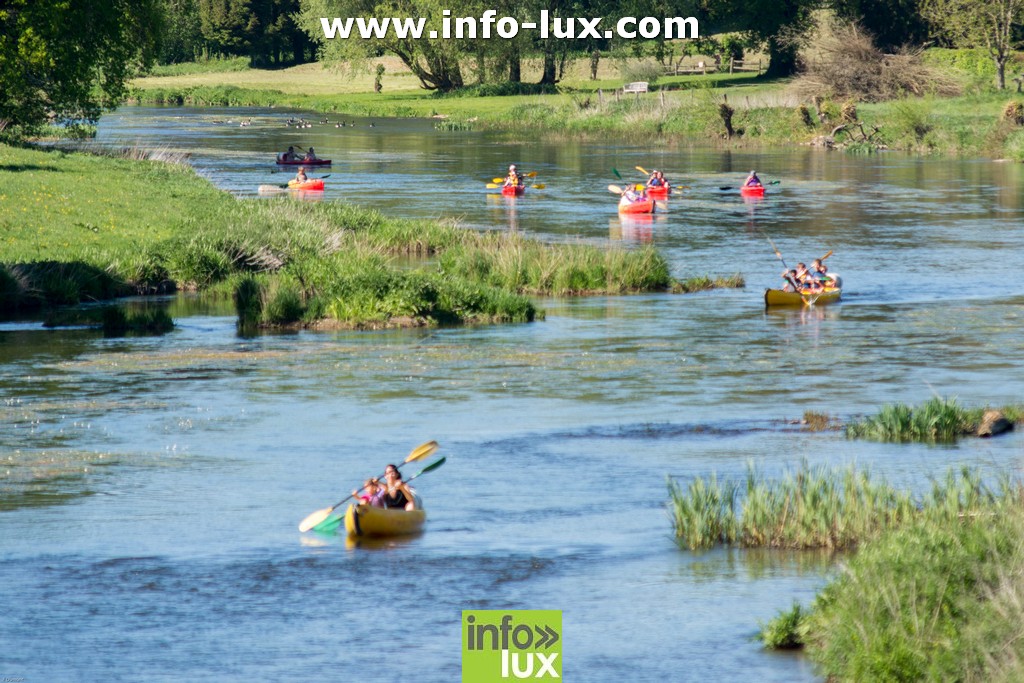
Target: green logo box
x=511, y=644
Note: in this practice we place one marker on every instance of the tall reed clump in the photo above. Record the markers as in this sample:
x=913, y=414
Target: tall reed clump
x=936, y=421
x=817, y=507
x=938, y=599
x=561, y=269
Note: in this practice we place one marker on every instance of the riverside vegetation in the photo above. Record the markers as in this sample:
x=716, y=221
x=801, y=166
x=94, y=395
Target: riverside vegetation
x=938, y=598
x=72, y=234
x=933, y=591
x=738, y=109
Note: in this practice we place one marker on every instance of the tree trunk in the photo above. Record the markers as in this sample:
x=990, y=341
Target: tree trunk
x=782, y=59
x=1000, y=72
x=548, y=77
x=515, y=67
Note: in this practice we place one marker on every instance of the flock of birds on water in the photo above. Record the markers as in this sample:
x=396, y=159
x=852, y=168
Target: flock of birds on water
x=296, y=123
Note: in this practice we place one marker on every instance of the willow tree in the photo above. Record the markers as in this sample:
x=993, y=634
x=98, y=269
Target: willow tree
x=987, y=24
x=434, y=61
x=68, y=60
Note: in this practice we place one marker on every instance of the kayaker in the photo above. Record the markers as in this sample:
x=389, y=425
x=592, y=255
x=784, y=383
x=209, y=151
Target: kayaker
x=289, y=155
x=791, y=282
x=514, y=177
x=657, y=179
x=752, y=180
x=373, y=493
x=820, y=272
x=397, y=495
x=634, y=193
x=300, y=176
x=310, y=155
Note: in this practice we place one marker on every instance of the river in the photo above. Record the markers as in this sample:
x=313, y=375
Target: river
x=152, y=488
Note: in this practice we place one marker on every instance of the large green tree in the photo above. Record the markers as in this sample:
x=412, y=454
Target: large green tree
x=67, y=60
x=436, y=62
x=893, y=23
x=987, y=24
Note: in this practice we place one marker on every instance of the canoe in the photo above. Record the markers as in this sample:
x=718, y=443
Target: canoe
x=372, y=522
x=777, y=297
x=513, y=190
x=311, y=184
x=299, y=162
x=660, y=192
x=639, y=206
x=752, y=190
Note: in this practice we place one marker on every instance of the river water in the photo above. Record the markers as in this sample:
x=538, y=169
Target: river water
x=152, y=487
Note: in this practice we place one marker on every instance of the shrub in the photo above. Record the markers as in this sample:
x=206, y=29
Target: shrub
x=1014, y=113
x=847, y=65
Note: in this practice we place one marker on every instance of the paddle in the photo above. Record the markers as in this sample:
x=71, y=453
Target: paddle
x=617, y=174
x=615, y=189
x=642, y=170
x=538, y=186
x=418, y=453
x=775, y=249
x=285, y=186
x=771, y=182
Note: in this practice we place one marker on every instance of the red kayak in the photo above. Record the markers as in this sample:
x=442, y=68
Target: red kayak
x=659, y=192
x=752, y=190
x=513, y=190
x=639, y=206
x=300, y=162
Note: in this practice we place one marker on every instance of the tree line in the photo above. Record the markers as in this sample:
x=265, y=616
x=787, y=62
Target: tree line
x=67, y=61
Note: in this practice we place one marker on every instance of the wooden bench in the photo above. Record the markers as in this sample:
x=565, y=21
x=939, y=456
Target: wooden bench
x=637, y=87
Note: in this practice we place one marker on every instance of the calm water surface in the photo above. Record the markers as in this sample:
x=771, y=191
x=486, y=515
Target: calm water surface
x=152, y=487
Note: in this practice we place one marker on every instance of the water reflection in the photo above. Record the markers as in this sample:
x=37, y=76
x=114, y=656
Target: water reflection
x=504, y=209
x=634, y=228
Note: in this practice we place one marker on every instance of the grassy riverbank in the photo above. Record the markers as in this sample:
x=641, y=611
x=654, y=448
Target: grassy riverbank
x=684, y=109
x=85, y=227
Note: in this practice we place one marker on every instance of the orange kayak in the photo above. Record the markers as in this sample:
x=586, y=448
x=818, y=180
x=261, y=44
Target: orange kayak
x=752, y=190
x=639, y=206
x=660, y=192
x=311, y=184
x=513, y=190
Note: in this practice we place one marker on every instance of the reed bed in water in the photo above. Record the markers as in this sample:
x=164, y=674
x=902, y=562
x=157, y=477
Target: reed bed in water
x=819, y=507
x=938, y=420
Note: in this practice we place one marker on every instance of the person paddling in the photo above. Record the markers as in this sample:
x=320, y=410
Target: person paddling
x=300, y=176
x=752, y=180
x=289, y=155
x=514, y=177
x=657, y=179
x=397, y=494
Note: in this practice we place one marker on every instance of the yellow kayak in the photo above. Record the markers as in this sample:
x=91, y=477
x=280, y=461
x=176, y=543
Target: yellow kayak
x=366, y=521
x=777, y=297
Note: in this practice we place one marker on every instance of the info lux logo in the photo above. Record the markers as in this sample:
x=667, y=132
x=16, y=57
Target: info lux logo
x=505, y=645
